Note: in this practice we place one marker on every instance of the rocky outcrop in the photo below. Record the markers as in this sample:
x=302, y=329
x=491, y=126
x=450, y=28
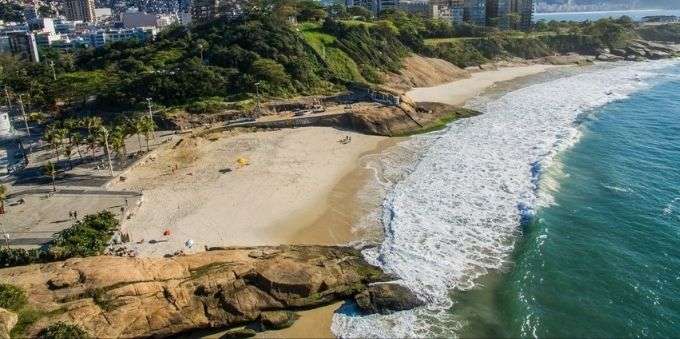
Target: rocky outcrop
x=420, y=71
x=638, y=50
x=386, y=298
x=142, y=297
x=407, y=118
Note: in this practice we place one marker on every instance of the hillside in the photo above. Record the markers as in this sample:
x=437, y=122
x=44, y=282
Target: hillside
x=226, y=64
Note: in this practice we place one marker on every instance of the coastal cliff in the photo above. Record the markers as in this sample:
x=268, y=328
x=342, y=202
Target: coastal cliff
x=260, y=287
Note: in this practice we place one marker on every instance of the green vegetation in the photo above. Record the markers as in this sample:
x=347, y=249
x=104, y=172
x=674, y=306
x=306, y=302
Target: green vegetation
x=208, y=68
x=87, y=237
x=12, y=297
x=440, y=123
x=377, y=46
x=339, y=63
x=668, y=32
x=60, y=330
x=216, y=105
x=547, y=39
x=11, y=12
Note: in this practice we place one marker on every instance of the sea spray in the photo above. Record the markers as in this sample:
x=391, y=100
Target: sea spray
x=455, y=216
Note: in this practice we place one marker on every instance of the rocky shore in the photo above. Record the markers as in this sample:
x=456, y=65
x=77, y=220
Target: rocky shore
x=259, y=287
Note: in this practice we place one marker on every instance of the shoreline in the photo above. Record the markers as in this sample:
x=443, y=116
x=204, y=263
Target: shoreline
x=301, y=187
x=361, y=176
x=458, y=92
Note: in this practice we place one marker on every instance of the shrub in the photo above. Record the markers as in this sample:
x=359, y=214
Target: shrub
x=12, y=297
x=60, y=330
x=87, y=237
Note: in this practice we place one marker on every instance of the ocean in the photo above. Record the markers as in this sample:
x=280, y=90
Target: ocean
x=556, y=213
x=636, y=15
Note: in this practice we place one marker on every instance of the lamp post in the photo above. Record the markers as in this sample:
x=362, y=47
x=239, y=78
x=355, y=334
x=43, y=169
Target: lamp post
x=148, y=102
x=257, y=97
x=23, y=113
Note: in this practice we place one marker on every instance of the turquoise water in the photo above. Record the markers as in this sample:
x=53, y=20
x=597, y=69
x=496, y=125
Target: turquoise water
x=554, y=214
x=604, y=259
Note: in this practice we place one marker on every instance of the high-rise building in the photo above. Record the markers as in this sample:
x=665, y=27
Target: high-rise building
x=23, y=44
x=525, y=9
x=375, y=6
x=515, y=14
x=448, y=10
x=80, y=10
x=203, y=11
x=474, y=12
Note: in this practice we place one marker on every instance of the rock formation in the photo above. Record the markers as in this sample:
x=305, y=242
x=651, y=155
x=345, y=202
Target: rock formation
x=639, y=50
x=141, y=297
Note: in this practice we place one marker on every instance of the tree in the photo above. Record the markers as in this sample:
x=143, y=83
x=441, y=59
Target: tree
x=11, y=12
x=310, y=10
x=361, y=12
x=338, y=11
x=92, y=145
x=92, y=124
x=137, y=126
x=68, y=149
x=118, y=142
x=270, y=71
x=50, y=170
x=77, y=140
x=148, y=128
x=514, y=20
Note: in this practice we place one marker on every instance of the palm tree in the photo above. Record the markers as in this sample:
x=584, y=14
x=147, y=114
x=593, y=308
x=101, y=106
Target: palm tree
x=117, y=139
x=3, y=195
x=137, y=125
x=92, y=144
x=70, y=125
x=91, y=123
x=50, y=169
x=148, y=127
x=68, y=149
x=77, y=140
x=55, y=135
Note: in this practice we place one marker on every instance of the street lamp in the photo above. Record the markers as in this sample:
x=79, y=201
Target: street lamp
x=23, y=113
x=257, y=97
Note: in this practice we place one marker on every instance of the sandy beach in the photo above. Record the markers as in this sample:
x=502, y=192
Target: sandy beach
x=458, y=92
x=299, y=186
x=197, y=190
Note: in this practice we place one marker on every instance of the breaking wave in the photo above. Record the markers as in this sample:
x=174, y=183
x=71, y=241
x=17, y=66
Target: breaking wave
x=456, y=214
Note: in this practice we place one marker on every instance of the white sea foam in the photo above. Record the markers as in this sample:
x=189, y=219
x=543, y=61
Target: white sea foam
x=457, y=212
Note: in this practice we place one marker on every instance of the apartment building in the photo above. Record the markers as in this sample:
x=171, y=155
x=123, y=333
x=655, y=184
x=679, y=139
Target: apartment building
x=80, y=10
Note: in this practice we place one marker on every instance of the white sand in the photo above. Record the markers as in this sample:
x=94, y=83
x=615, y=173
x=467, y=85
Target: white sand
x=459, y=91
x=291, y=173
